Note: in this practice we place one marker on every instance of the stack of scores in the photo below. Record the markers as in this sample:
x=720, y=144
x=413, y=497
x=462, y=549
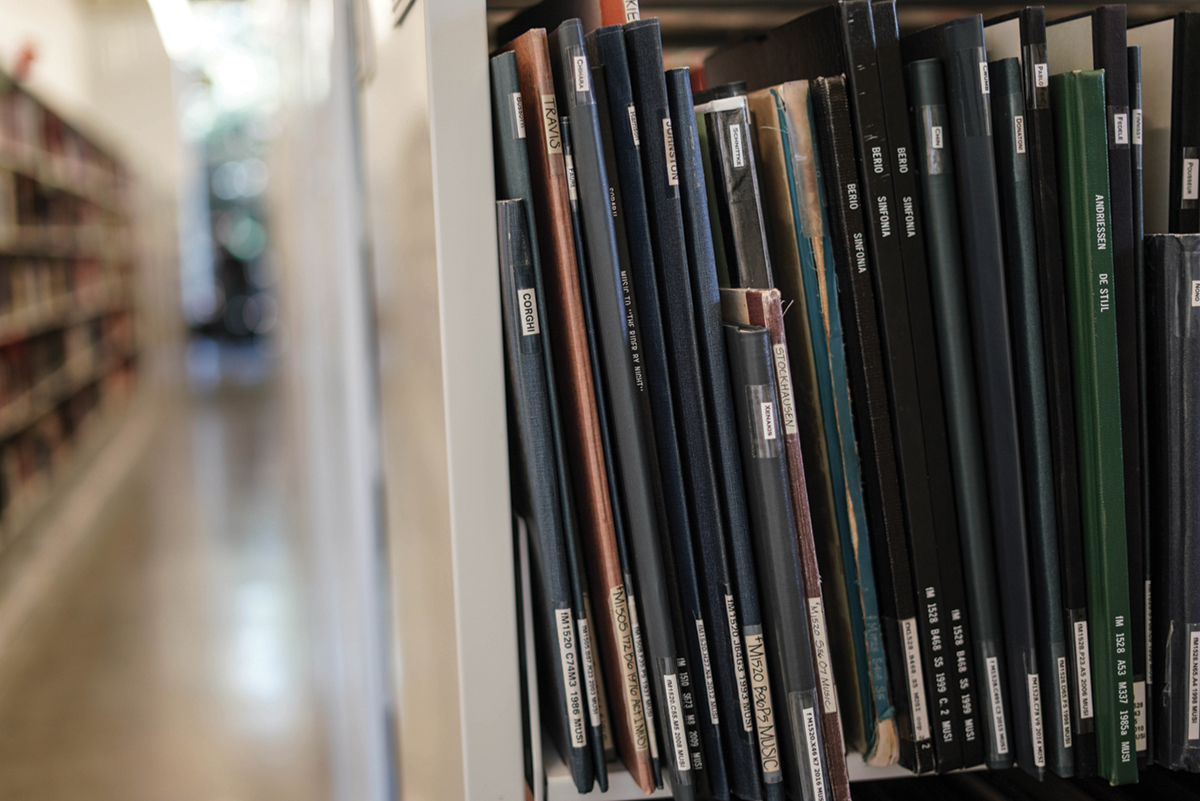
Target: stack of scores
x=844, y=394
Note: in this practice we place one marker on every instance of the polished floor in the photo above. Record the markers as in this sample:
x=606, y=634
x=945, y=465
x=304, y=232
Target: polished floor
x=171, y=660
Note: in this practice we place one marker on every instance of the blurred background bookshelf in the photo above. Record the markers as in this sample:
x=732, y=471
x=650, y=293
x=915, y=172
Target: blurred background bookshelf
x=68, y=348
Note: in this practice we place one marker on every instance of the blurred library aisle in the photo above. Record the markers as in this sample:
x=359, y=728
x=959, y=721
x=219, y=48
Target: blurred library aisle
x=172, y=658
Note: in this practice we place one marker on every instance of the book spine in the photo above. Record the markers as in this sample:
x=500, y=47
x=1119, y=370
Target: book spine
x=1143, y=708
x=648, y=350
x=742, y=598
x=1051, y=715
x=950, y=724
x=1080, y=117
x=513, y=182
x=573, y=371
x=1056, y=342
x=628, y=191
x=968, y=89
x=903, y=381
x=618, y=12
x=794, y=189
x=632, y=439
x=1111, y=55
x=873, y=423
x=947, y=283
x=822, y=293
x=766, y=311
x=1173, y=327
x=780, y=657
x=734, y=164
x=1184, y=214
x=555, y=617
x=789, y=180
x=629, y=583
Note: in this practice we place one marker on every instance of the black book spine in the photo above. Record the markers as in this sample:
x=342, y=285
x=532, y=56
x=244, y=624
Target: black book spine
x=957, y=694
x=653, y=166
x=780, y=652
x=1056, y=343
x=1173, y=327
x=868, y=390
x=948, y=284
x=1184, y=214
x=742, y=598
x=900, y=370
x=734, y=164
x=1144, y=735
x=513, y=182
x=1050, y=706
x=628, y=203
x=556, y=632
x=632, y=438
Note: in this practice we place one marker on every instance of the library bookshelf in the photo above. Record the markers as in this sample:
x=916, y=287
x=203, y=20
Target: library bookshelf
x=455, y=277
x=68, y=354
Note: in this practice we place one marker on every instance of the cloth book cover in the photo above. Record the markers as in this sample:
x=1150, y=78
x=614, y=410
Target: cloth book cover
x=763, y=308
x=959, y=45
x=1096, y=39
x=634, y=458
x=1052, y=716
x=641, y=299
x=662, y=263
x=1169, y=125
x=567, y=708
x=873, y=425
x=780, y=651
x=1022, y=35
x=1143, y=707
x=742, y=596
x=935, y=164
x=844, y=550
x=512, y=181
x=1082, y=132
x=577, y=394
x=821, y=493
x=1173, y=374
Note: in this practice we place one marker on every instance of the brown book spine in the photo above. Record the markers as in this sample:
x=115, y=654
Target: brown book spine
x=763, y=307
x=618, y=12
x=573, y=371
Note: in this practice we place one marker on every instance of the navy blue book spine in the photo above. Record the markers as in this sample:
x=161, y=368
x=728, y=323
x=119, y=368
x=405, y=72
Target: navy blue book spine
x=537, y=495
x=742, y=598
x=632, y=437
x=611, y=80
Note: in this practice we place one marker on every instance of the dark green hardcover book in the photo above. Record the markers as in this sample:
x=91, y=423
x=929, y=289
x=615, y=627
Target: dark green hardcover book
x=1022, y=34
x=1143, y=707
x=1082, y=131
x=1051, y=723
x=935, y=162
x=1097, y=40
x=1173, y=326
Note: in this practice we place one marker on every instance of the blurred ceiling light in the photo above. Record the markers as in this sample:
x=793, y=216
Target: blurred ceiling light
x=174, y=21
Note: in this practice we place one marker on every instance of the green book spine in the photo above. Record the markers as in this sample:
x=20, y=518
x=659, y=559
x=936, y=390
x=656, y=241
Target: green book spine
x=1081, y=122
